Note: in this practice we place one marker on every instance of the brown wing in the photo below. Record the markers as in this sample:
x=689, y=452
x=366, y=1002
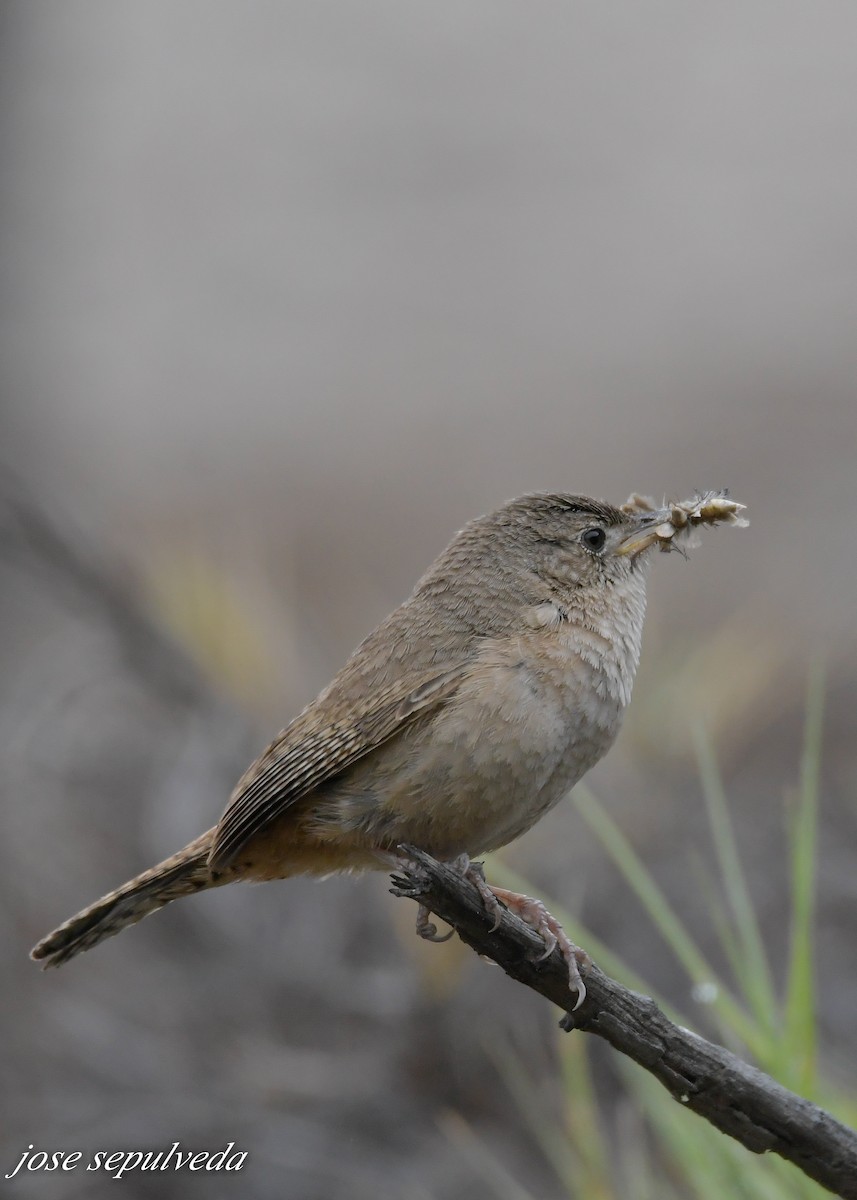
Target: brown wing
x=295, y=765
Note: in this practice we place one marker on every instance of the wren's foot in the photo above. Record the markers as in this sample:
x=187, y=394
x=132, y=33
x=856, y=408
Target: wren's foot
x=533, y=913
x=427, y=930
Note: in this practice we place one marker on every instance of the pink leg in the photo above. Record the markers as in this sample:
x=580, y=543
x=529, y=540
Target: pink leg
x=533, y=913
x=427, y=930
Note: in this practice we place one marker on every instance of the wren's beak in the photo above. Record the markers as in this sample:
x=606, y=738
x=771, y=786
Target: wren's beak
x=652, y=527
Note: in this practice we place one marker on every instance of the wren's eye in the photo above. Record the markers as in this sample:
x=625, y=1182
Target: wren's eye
x=594, y=538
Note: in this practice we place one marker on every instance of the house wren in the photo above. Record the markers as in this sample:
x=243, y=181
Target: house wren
x=464, y=718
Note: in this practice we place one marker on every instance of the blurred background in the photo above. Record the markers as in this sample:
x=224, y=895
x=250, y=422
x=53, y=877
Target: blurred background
x=289, y=293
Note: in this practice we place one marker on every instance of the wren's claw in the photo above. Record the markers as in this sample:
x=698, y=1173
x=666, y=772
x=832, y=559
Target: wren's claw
x=474, y=872
x=495, y=899
x=427, y=930
x=533, y=913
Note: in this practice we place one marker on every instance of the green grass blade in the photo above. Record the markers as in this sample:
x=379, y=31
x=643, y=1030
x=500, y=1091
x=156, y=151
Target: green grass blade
x=715, y=908
x=754, y=974
x=582, y=1119
x=800, y=988
x=699, y=970
x=558, y=1149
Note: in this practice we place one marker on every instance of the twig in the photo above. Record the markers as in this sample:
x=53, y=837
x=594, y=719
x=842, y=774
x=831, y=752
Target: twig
x=40, y=539
x=738, y=1099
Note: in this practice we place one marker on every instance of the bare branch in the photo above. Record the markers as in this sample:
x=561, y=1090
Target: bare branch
x=738, y=1099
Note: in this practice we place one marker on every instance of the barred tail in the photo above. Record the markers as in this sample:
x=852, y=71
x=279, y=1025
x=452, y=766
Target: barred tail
x=180, y=875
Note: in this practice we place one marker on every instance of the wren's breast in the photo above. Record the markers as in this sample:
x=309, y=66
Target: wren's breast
x=535, y=712
x=557, y=710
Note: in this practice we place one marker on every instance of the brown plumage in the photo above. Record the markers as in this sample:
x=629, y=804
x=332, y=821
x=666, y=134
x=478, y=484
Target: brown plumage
x=463, y=718
x=182, y=874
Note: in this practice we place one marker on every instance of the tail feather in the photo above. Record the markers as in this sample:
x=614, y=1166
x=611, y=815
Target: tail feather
x=180, y=875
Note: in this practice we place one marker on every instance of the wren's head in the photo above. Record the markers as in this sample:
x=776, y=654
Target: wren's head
x=573, y=541
x=583, y=555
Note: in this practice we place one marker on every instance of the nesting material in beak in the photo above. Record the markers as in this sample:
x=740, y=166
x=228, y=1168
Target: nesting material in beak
x=661, y=526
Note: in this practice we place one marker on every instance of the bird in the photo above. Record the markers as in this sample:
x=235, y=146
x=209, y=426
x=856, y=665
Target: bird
x=458, y=723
